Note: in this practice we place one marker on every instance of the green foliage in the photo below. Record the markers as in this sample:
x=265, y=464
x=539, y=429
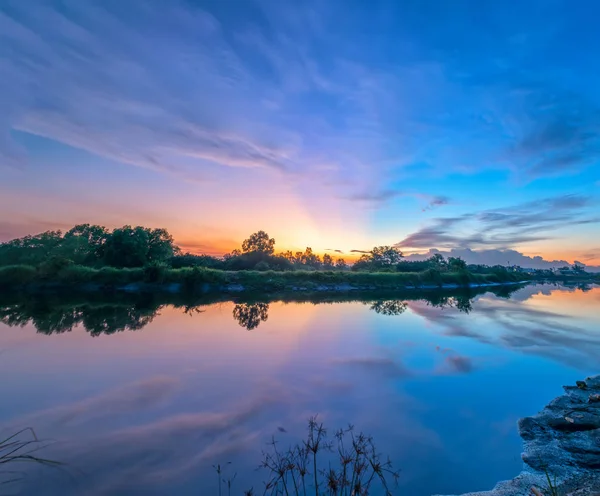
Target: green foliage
x=16, y=275
x=189, y=260
x=30, y=250
x=457, y=264
x=250, y=260
x=137, y=246
x=259, y=242
x=385, y=256
x=262, y=266
x=155, y=272
x=84, y=244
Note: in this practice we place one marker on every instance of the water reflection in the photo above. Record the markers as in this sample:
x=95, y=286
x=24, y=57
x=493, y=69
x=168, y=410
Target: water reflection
x=390, y=307
x=107, y=314
x=251, y=315
x=438, y=379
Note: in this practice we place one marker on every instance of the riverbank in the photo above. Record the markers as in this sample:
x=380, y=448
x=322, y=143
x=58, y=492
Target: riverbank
x=201, y=280
x=561, y=445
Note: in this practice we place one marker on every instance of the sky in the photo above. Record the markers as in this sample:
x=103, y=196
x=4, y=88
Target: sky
x=464, y=126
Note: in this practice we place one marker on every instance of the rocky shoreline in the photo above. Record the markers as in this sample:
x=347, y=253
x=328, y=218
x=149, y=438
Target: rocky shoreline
x=562, y=442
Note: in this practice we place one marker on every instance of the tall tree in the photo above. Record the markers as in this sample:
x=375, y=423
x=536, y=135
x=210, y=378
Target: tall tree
x=340, y=263
x=327, y=261
x=259, y=242
x=137, y=246
x=84, y=243
x=385, y=256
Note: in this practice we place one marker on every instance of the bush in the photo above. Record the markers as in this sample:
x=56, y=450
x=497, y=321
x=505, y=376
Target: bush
x=262, y=266
x=16, y=275
x=53, y=266
x=155, y=273
x=432, y=276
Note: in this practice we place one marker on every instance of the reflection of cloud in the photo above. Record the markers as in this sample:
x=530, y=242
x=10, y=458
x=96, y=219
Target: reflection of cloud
x=130, y=398
x=132, y=460
x=385, y=367
x=513, y=325
x=458, y=363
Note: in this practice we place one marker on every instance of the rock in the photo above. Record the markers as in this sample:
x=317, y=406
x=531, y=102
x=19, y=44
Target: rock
x=563, y=440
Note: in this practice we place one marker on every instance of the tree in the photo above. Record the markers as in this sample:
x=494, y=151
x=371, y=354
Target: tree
x=341, y=264
x=327, y=261
x=578, y=268
x=30, y=250
x=385, y=256
x=137, y=246
x=311, y=259
x=259, y=242
x=363, y=263
x=438, y=262
x=84, y=243
x=457, y=264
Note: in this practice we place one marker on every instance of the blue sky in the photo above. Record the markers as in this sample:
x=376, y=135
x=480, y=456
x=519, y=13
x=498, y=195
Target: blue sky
x=430, y=124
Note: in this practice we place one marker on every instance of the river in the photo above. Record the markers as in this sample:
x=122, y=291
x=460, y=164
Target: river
x=144, y=394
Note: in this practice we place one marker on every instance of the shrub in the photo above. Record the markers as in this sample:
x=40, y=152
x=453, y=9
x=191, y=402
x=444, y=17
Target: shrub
x=155, y=272
x=16, y=275
x=262, y=266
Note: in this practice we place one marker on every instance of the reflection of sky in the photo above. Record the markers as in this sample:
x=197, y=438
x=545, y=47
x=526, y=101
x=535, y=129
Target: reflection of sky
x=440, y=390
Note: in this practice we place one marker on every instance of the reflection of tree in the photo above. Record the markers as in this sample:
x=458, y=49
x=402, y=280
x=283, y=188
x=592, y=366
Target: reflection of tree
x=108, y=320
x=251, y=315
x=389, y=307
x=54, y=317
x=463, y=303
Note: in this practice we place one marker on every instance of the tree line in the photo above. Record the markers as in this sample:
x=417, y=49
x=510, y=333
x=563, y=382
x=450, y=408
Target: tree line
x=133, y=247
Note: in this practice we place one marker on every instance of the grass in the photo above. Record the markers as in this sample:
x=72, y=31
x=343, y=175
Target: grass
x=21, y=447
x=345, y=464
x=202, y=279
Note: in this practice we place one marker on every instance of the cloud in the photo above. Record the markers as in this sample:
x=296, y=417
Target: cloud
x=133, y=397
x=385, y=367
x=556, y=131
x=495, y=257
x=334, y=250
x=274, y=89
x=436, y=201
x=505, y=227
x=375, y=199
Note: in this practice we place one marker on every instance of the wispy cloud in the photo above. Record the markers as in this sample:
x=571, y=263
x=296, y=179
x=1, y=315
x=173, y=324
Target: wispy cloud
x=385, y=367
x=505, y=227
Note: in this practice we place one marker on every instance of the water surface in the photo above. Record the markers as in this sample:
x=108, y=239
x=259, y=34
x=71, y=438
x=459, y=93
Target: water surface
x=143, y=395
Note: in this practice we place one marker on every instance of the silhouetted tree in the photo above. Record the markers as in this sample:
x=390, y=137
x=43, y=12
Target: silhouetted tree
x=251, y=315
x=259, y=242
x=341, y=264
x=385, y=256
x=327, y=261
x=311, y=259
x=137, y=246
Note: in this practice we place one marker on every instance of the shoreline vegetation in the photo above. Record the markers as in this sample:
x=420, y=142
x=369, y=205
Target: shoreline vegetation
x=90, y=257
